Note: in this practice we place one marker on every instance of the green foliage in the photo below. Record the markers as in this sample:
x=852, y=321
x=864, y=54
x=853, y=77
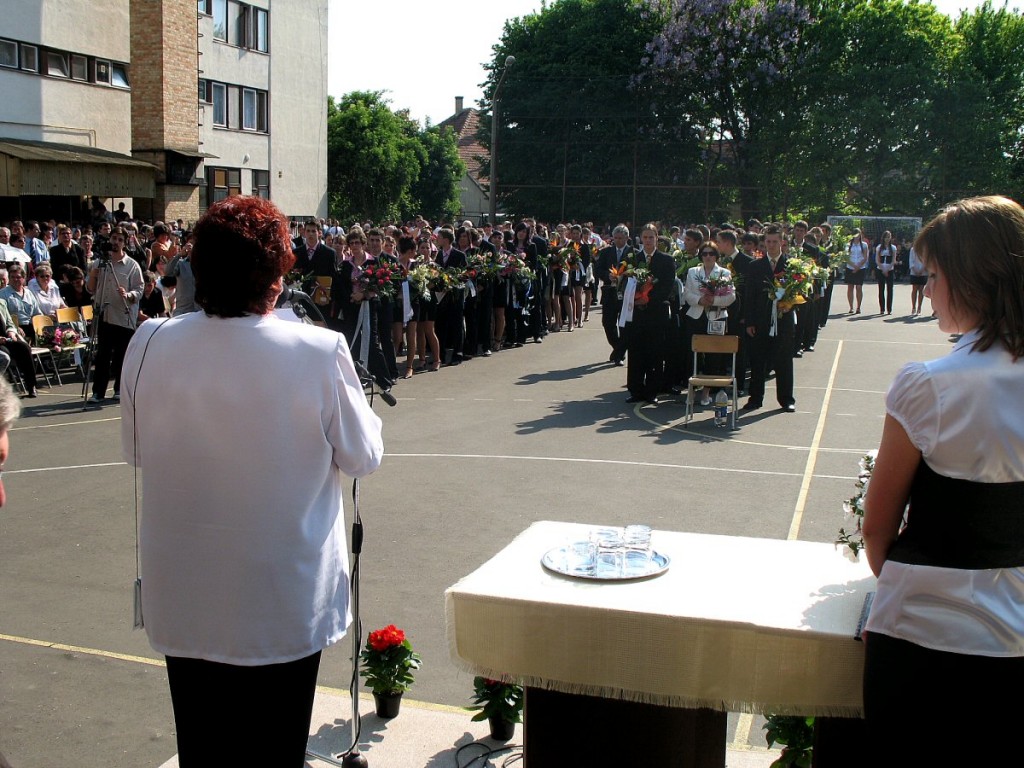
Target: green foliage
x=382, y=166
x=493, y=698
x=796, y=734
x=389, y=671
x=576, y=134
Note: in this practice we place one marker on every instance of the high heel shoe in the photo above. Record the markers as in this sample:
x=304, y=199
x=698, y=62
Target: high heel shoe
x=408, y=373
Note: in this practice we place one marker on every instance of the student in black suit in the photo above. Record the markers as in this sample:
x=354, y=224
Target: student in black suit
x=607, y=258
x=313, y=257
x=768, y=351
x=450, y=330
x=650, y=321
x=737, y=262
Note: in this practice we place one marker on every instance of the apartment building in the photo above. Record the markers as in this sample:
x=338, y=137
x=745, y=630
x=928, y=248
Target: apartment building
x=168, y=105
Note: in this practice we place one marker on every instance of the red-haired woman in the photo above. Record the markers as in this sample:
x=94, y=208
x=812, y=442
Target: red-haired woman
x=243, y=424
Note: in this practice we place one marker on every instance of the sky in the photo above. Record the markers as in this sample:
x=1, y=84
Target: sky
x=423, y=55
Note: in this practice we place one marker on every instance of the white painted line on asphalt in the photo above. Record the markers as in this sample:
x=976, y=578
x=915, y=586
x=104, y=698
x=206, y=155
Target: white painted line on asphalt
x=845, y=389
x=812, y=456
x=62, y=424
x=61, y=469
x=617, y=462
x=903, y=343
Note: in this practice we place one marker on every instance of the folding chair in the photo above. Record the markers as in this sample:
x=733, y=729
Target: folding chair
x=712, y=345
x=72, y=318
x=39, y=323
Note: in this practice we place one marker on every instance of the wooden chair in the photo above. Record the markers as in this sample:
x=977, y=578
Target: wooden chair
x=39, y=323
x=71, y=317
x=712, y=345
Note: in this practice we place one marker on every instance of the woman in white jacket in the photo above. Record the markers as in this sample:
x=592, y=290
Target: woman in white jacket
x=707, y=292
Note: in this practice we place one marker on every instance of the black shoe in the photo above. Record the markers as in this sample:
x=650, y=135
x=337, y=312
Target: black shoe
x=810, y=348
x=798, y=353
x=653, y=401
x=634, y=399
x=676, y=390
x=791, y=408
x=751, y=406
x=537, y=340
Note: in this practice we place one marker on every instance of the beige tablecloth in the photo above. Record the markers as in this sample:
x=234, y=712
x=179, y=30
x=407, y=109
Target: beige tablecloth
x=736, y=624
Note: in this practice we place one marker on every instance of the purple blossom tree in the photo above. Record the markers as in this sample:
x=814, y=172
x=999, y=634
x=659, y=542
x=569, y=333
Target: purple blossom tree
x=728, y=65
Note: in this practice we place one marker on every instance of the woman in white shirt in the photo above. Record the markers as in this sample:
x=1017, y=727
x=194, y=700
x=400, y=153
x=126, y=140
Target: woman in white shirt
x=945, y=636
x=243, y=442
x=885, y=272
x=856, y=268
x=918, y=279
x=46, y=291
x=707, y=292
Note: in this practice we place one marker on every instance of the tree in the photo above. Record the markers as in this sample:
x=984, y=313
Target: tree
x=373, y=158
x=437, y=189
x=729, y=64
x=578, y=138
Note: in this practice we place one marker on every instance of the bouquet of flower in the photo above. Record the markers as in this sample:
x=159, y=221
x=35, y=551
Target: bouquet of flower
x=644, y=280
x=684, y=262
x=295, y=277
x=717, y=286
x=486, y=269
x=498, y=700
x=388, y=661
x=58, y=339
x=515, y=269
x=557, y=260
x=377, y=278
x=440, y=279
x=419, y=280
x=854, y=508
x=793, y=285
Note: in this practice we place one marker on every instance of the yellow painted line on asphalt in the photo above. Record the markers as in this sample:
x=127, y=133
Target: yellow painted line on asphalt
x=82, y=650
x=743, y=725
x=812, y=456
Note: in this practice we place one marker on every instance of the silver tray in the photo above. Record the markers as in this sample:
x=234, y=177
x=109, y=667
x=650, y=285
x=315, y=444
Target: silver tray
x=557, y=561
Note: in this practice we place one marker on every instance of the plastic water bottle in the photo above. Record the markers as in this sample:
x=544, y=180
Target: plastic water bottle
x=721, y=408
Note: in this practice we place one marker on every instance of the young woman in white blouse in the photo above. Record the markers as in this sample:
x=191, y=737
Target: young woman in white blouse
x=856, y=268
x=945, y=636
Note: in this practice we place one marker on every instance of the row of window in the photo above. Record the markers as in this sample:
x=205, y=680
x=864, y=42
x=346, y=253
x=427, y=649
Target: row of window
x=245, y=109
x=238, y=23
x=225, y=182
x=54, y=63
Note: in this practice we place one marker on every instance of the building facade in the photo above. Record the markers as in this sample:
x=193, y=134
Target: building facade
x=168, y=105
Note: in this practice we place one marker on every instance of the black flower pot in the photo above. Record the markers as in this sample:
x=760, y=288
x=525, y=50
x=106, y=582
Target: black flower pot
x=501, y=730
x=387, y=704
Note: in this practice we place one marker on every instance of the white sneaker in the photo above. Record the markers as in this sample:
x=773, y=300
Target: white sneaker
x=705, y=401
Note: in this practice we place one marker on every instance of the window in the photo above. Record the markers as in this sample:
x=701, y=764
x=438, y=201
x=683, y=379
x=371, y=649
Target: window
x=220, y=19
x=222, y=183
x=262, y=118
x=8, y=53
x=261, y=184
x=234, y=106
x=206, y=7
x=248, y=109
x=102, y=72
x=237, y=17
x=29, y=58
x=220, y=104
x=119, y=75
x=204, y=91
x=79, y=67
x=57, y=64
x=260, y=39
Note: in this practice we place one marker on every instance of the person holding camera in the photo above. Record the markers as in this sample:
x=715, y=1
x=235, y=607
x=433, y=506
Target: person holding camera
x=116, y=283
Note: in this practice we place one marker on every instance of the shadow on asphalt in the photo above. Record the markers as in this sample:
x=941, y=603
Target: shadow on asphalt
x=609, y=410
x=566, y=374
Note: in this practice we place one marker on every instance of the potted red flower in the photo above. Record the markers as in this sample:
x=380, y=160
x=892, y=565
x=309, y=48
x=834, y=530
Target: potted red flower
x=388, y=662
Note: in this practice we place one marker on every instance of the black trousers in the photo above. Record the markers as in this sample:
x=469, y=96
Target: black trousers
x=21, y=354
x=610, y=307
x=110, y=348
x=913, y=694
x=885, y=288
x=450, y=325
x=768, y=352
x=646, y=339
x=219, y=706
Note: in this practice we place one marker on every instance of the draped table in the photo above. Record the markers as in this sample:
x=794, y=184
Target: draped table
x=734, y=624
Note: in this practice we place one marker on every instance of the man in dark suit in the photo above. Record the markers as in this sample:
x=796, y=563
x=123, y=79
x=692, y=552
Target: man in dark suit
x=313, y=256
x=646, y=333
x=737, y=262
x=66, y=253
x=768, y=348
x=609, y=257
x=450, y=330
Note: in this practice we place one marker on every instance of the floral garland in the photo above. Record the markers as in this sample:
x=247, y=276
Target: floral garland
x=854, y=508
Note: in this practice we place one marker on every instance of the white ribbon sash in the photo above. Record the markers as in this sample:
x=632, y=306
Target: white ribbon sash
x=773, y=330
x=628, y=296
x=406, y=303
x=363, y=332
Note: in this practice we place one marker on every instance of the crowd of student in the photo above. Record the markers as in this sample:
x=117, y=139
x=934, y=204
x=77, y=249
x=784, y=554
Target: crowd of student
x=414, y=297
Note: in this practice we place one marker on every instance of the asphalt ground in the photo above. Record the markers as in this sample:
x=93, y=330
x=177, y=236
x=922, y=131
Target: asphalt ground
x=475, y=454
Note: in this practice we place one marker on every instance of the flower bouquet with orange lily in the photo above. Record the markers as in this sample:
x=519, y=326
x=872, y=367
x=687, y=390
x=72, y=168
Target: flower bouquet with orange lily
x=644, y=280
x=793, y=285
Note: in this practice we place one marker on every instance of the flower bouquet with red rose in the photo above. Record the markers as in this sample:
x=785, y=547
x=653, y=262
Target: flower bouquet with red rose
x=717, y=286
x=516, y=270
x=388, y=661
x=58, y=339
x=793, y=285
x=377, y=279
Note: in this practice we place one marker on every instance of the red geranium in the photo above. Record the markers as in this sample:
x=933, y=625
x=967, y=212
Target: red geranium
x=385, y=638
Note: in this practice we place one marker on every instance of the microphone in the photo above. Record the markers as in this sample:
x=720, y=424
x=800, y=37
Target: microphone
x=383, y=389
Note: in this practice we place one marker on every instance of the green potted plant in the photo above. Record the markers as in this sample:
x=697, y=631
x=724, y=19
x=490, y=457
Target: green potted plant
x=388, y=662
x=500, y=704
